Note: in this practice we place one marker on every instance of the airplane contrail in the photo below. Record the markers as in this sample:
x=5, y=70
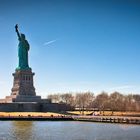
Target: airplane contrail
x=50, y=42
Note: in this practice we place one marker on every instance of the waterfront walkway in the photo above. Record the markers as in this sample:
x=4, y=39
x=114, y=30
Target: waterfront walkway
x=105, y=119
x=109, y=119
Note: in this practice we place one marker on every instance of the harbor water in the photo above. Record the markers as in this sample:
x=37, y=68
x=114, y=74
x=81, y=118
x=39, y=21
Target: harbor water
x=69, y=130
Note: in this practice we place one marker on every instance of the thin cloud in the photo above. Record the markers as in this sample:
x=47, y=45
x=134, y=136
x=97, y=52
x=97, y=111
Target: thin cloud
x=123, y=87
x=50, y=42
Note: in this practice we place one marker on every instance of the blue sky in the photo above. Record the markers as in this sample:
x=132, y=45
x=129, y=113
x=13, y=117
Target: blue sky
x=76, y=45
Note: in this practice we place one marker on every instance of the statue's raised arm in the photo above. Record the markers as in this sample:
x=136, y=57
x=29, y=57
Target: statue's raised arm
x=16, y=27
x=23, y=48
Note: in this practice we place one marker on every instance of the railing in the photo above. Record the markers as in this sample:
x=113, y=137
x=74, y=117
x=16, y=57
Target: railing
x=110, y=119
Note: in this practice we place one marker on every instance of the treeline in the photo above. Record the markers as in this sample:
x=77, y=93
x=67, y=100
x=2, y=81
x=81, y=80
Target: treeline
x=103, y=101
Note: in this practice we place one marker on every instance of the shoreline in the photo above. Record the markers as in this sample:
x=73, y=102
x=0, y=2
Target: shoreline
x=36, y=118
x=100, y=119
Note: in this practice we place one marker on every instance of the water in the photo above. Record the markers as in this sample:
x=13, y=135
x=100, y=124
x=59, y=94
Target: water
x=72, y=130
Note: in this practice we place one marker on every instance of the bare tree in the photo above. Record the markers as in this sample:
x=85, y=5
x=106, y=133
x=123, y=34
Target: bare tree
x=102, y=101
x=84, y=100
x=117, y=101
x=130, y=104
x=136, y=98
x=67, y=98
x=55, y=98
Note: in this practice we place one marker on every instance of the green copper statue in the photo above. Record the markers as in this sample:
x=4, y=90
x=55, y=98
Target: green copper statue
x=23, y=48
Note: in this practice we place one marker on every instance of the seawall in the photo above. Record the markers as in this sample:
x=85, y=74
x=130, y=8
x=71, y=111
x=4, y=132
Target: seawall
x=101, y=119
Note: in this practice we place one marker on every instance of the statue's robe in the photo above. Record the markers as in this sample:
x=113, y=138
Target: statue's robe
x=23, y=48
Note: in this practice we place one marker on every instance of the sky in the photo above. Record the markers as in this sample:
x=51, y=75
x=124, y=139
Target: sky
x=75, y=45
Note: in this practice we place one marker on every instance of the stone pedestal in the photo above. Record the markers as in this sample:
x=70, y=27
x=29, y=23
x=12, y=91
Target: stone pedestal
x=23, y=88
x=23, y=83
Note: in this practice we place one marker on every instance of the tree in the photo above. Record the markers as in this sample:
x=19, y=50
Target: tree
x=67, y=98
x=117, y=101
x=55, y=98
x=102, y=101
x=136, y=98
x=130, y=104
x=84, y=100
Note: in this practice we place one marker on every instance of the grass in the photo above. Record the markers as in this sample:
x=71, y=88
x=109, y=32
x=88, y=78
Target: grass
x=80, y=112
x=105, y=113
x=35, y=114
x=49, y=114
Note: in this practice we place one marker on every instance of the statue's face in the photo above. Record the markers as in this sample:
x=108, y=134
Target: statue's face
x=23, y=36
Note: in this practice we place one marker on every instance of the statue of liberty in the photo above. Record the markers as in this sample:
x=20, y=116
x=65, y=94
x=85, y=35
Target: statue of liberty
x=23, y=48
